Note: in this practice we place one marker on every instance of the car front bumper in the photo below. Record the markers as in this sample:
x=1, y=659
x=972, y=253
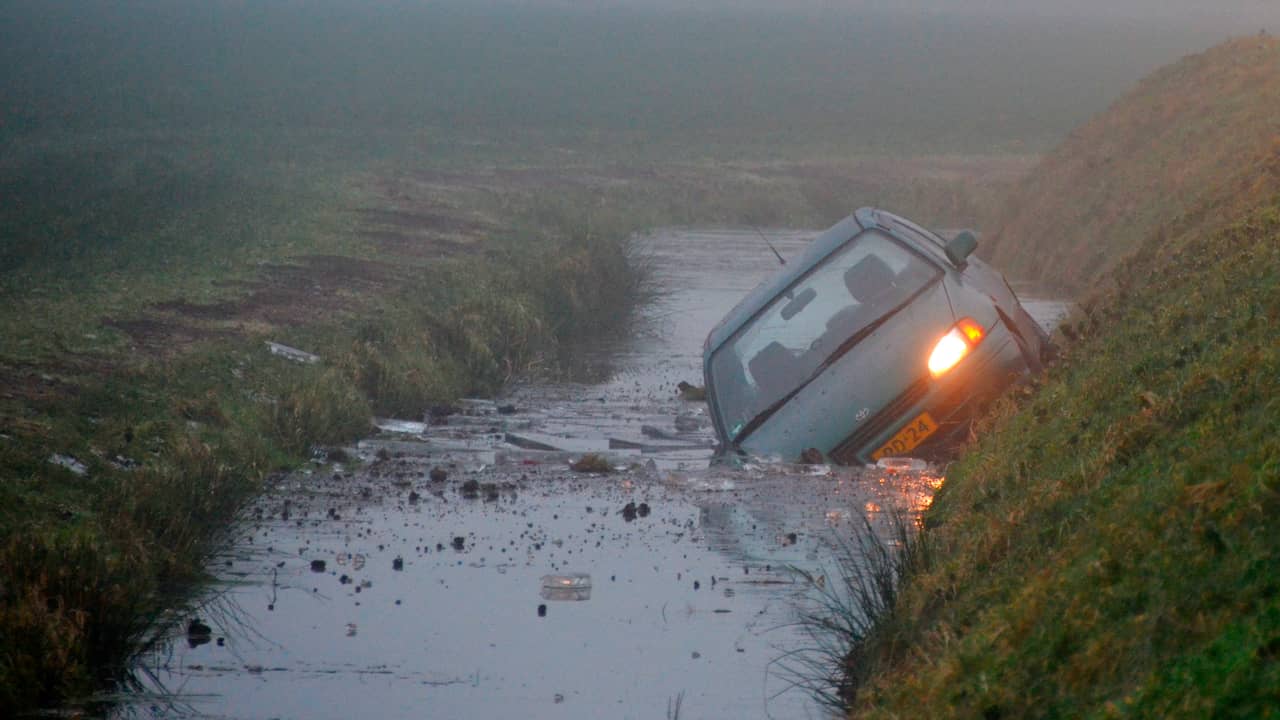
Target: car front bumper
x=952, y=401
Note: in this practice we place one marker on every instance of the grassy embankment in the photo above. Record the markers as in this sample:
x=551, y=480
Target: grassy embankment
x=1109, y=547
x=141, y=282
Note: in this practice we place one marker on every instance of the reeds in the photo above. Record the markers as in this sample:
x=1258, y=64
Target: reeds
x=849, y=617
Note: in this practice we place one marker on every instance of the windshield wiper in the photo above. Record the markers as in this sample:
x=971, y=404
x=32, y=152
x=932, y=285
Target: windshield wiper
x=854, y=339
x=839, y=352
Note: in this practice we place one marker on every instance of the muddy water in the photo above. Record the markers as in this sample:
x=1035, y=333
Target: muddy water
x=375, y=590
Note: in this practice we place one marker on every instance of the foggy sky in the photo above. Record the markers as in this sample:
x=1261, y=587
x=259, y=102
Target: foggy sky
x=1031, y=69
x=1225, y=11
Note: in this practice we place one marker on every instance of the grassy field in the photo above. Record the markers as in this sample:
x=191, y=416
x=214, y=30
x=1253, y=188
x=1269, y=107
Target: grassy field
x=1108, y=549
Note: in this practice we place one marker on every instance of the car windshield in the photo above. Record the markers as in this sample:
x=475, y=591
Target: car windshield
x=852, y=290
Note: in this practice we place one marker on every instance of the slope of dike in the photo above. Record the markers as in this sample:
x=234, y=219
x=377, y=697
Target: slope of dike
x=1109, y=547
x=1192, y=147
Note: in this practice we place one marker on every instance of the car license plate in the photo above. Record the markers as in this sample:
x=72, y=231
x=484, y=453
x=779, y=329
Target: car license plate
x=906, y=440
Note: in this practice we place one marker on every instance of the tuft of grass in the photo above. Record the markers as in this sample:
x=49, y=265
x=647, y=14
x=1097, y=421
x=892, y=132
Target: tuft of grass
x=674, y=705
x=320, y=406
x=850, y=618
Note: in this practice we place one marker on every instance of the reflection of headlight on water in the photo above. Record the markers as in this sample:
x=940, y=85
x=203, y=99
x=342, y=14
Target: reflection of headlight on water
x=912, y=493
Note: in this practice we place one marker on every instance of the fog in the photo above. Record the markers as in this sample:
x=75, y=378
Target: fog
x=949, y=75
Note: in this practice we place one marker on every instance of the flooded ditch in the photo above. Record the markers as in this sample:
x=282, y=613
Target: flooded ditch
x=463, y=570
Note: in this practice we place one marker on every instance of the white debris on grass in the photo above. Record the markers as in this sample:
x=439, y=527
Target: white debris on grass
x=69, y=463
x=292, y=353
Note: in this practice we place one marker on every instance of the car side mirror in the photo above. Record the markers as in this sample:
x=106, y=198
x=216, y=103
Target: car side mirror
x=960, y=247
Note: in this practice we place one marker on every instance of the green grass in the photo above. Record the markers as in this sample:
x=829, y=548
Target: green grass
x=1108, y=548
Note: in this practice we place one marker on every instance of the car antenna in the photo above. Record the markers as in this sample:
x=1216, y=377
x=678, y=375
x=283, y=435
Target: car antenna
x=771, y=247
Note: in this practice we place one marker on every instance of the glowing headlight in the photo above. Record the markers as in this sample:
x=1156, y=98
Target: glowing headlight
x=953, y=346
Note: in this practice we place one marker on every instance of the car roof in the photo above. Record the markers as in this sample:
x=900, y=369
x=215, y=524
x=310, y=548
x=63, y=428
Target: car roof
x=817, y=251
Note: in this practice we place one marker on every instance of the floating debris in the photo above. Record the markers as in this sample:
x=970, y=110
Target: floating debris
x=407, y=427
x=553, y=443
x=198, y=633
x=709, y=485
x=631, y=511
x=420, y=448
x=477, y=406
x=566, y=594
x=570, y=587
x=649, y=448
x=591, y=463
x=690, y=423
x=812, y=456
x=568, y=580
x=658, y=433
x=690, y=392
x=902, y=464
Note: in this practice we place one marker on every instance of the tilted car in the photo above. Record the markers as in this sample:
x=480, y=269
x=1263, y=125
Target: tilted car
x=881, y=340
